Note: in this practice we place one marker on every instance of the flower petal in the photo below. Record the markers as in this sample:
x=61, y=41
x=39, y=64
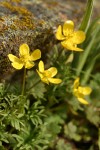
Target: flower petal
x=41, y=66
x=47, y=73
x=68, y=27
x=29, y=65
x=40, y=74
x=78, y=94
x=59, y=34
x=78, y=37
x=76, y=83
x=55, y=80
x=13, y=58
x=17, y=65
x=45, y=80
x=35, y=55
x=24, y=50
x=70, y=45
x=84, y=90
x=77, y=49
x=82, y=100
x=53, y=71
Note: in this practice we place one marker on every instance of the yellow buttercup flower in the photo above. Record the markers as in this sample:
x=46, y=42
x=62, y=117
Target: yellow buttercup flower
x=25, y=58
x=47, y=75
x=70, y=38
x=80, y=91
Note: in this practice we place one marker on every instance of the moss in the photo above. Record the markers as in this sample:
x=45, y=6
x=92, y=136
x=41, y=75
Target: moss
x=3, y=27
x=18, y=9
x=17, y=1
x=23, y=23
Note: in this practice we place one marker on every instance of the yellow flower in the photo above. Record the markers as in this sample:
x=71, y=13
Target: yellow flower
x=47, y=75
x=80, y=91
x=70, y=38
x=25, y=58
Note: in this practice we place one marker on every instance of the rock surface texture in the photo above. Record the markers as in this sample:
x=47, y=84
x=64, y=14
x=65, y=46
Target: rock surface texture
x=33, y=22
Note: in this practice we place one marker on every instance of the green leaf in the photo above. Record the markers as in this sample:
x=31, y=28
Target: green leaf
x=87, y=16
x=38, y=90
x=93, y=115
x=15, y=123
x=53, y=126
x=70, y=131
x=63, y=145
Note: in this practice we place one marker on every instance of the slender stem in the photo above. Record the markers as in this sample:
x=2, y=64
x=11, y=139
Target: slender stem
x=33, y=85
x=23, y=86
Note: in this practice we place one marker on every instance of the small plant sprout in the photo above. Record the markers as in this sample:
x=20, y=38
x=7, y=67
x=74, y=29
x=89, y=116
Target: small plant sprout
x=47, y=75
x=70, y=38
x=80, y=91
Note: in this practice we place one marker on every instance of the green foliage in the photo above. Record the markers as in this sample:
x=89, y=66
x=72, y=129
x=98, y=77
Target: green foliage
x=20, y=121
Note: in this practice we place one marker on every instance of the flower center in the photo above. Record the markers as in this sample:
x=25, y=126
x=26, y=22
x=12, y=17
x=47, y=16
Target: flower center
x=69, y=33
x=47, y=74
x=25, y=58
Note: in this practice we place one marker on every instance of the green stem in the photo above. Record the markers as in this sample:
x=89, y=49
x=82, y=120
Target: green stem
x=33, y=85
x=23, y=86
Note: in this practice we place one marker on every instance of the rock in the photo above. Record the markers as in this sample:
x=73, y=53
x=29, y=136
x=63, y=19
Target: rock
x=33, y=22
